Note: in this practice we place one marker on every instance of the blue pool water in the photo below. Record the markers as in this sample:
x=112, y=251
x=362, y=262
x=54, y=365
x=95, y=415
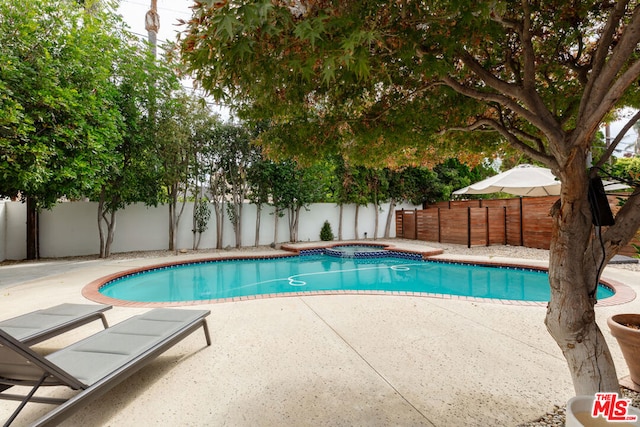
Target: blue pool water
x=320, y=272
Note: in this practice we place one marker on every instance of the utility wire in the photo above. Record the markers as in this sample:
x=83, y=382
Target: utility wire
x=182, y=12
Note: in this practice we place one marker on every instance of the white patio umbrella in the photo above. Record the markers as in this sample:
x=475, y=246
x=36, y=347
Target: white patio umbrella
x=526, y=180
x=522, y=180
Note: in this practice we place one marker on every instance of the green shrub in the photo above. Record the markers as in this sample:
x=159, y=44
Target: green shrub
x=325, y=233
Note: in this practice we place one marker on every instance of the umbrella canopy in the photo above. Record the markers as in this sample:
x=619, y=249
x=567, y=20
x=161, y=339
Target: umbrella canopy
x=523, y=180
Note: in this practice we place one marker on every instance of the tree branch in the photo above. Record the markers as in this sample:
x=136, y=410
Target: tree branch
x=513, y=105
x=529, y=80
x=511, y=137
x=527, y=93
x=617, y=140
x=601, y=108
x=491, y=80
x=404, y=99
x=601, y=87
x=600, y=56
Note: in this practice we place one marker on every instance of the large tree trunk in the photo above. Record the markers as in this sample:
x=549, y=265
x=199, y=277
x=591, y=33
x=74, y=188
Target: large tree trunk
x=573, y=275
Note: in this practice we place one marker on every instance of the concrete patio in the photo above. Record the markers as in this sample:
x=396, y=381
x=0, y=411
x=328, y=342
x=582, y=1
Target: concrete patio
x=323, y=360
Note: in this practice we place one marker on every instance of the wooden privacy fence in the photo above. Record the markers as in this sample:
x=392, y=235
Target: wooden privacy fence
x=522, y=221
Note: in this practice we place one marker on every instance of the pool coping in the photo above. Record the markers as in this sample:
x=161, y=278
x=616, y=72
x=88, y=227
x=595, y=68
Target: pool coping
x=622, y=293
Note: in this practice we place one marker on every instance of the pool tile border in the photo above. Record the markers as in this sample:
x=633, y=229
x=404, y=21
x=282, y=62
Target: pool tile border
x=91, y=291
x=425, y=253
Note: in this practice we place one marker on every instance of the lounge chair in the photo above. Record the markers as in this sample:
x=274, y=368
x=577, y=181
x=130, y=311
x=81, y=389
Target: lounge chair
x=40, y=325
x=96, y=364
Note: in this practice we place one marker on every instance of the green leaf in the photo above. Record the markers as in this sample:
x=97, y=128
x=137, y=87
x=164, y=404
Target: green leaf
x=226, y=26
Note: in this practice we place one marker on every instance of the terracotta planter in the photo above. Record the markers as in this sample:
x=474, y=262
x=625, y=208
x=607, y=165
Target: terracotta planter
x=578, y=414
x=628, y=340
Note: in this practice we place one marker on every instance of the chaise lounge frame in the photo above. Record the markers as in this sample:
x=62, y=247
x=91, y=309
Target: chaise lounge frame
x=118, y=352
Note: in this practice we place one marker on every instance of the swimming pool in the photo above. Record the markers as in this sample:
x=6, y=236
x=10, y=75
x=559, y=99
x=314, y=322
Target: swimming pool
x=321, y=273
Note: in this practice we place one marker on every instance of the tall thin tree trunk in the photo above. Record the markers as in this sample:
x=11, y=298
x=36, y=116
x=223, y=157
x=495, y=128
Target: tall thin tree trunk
x=177, y=217
x=294, y=214
x=218, y=208
x=275, y=226
x=355, y=228
x=216, y=211
x=258, y=214
x=296, y=223
x=377, y=220
x=238, y=225
x=292, y=233
x=387, y=227
x=172, y=225
x=340, y=221
x=33, y=244
x=174, y=215
x=194, y=229
x=100, y=230
x=196, y=233
x=111, y=234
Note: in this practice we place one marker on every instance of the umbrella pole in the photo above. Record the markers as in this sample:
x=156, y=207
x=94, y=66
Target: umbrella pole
x=521, y=226
x=468, y=227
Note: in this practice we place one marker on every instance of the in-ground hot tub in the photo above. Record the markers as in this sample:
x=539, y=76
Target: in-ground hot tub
x=357, y=251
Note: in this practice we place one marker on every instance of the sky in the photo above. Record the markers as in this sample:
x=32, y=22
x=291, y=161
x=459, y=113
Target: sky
x=170, y=11
x=630, y=138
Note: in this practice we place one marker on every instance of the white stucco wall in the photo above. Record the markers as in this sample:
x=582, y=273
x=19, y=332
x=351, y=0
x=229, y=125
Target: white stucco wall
x=70, y=228
x=16, y=223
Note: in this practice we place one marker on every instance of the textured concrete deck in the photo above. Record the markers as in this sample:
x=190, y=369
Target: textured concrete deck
x=324, y=360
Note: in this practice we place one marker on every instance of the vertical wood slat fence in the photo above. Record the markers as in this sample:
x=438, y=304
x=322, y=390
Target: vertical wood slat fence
x=522, y=221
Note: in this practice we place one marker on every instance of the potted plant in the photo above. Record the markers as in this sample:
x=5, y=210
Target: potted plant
x=626, y=329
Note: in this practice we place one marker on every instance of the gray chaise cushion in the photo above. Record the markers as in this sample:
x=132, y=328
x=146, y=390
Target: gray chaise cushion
x=99, y=355
x=43, y=323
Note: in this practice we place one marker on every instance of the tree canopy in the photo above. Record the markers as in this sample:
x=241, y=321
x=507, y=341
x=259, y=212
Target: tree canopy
x=58, y=121
x=403, y=81
x=382, y=80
